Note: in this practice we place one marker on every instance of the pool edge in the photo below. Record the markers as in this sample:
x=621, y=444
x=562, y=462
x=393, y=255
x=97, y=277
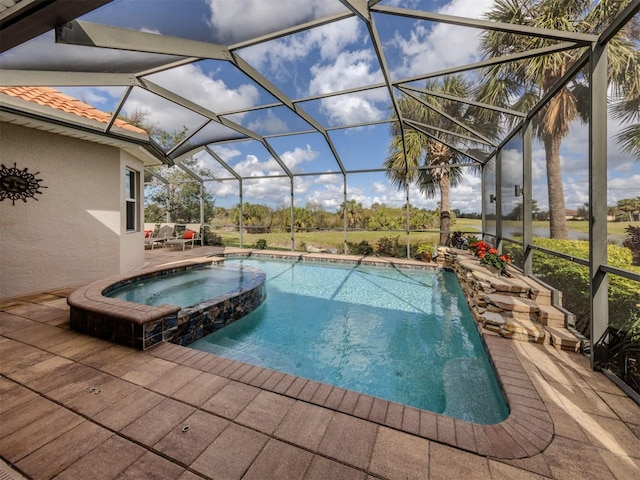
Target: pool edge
x=518, y=436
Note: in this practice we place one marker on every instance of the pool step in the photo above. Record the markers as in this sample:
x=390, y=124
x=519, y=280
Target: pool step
x=517, y=328
x=523, y=319
x=551, y=316
x=512, y=304
x=563, y=339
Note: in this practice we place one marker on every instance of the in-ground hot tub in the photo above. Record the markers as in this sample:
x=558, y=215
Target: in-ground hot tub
x=105, y=309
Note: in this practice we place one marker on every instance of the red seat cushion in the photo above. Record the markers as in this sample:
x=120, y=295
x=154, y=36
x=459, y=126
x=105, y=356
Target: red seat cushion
x=147, y=233
x=189, y=235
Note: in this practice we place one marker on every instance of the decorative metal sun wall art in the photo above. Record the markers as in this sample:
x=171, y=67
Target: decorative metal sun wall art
x=16, y=184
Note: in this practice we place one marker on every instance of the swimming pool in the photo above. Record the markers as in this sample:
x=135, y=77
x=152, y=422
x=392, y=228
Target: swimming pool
x=405, y=335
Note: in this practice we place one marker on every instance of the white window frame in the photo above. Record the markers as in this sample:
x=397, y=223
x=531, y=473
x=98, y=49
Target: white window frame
x=131, y=178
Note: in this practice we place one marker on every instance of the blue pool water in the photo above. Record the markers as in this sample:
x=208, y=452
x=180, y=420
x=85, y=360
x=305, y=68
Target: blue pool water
x=188, y=288
x=403, y=335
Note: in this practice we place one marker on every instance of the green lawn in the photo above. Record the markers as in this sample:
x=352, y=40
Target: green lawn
x=335, y=238
x=322, y=239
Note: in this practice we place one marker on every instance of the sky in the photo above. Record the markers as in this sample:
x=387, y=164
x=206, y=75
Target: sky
x=326, y=59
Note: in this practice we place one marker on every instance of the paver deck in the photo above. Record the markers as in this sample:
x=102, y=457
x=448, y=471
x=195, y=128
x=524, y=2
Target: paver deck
x=75, y=407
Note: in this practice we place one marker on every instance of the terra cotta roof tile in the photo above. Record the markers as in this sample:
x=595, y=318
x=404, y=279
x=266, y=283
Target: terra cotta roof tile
x=52, y=98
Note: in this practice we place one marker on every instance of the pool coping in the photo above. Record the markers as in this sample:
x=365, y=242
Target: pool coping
x=527, y=430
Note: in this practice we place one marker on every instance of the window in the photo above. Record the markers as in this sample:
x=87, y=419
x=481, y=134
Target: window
x=131, y=193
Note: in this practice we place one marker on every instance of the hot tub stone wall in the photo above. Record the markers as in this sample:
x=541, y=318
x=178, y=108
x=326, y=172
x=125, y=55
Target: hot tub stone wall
x=197, y=322
x=143, y=326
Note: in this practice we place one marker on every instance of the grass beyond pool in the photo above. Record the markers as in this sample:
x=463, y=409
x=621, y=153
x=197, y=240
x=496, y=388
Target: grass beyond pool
x=405, y=335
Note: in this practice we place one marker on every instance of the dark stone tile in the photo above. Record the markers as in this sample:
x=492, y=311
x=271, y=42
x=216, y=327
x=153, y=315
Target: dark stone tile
x=363, y=406
x=349, y=401
x=428, y=425
x=124, y=411
x=464, y=435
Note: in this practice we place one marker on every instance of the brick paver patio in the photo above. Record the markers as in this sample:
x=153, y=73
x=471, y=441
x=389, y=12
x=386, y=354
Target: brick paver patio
x=75, y=407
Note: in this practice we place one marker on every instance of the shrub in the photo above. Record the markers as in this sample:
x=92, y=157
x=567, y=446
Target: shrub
x=261, y=244
x=211, y=238
x=624, y=352
x=632, y=242
x=573, y=279
x=362, y=248
x=391, y=247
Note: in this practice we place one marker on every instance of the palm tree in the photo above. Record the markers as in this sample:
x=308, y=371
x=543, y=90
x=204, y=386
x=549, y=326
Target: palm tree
x=424, y=151
x=528, y=81
x=629, y=206
x=355, y=213
x=628, y=110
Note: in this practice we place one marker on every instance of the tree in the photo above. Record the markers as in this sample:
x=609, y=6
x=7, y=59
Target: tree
x=583, y=211
x=628, y=110
x=518, y=211
x=520, y=85
x=255, y=218
x=425, y=151
x=355, y=213
x=628, y=206
x=180, y=198
x=320, y=218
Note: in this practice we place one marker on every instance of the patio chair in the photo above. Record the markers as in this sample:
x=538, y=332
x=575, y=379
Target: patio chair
x=190, y=236
x=149, y=230
x=165, y=232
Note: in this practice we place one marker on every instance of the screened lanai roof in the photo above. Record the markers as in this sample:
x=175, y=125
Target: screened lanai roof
x=258, y=75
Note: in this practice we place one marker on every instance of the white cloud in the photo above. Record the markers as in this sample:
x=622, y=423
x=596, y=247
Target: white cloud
x=443, y=45
x=273, y=191
x=269, y=124
x=379, y=188
x=265, y=16
x=349, y=69
x=329, y=179
x=294, y=159
x=193, y=83
x=226, y=153
x=269, y=190
x=281, y=58
x=330, y=197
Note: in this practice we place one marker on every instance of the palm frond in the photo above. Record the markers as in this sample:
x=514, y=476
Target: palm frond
x=629, y=139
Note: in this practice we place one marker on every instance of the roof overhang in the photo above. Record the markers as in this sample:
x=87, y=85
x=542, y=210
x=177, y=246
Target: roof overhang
x=28, y=114
x=26, y=19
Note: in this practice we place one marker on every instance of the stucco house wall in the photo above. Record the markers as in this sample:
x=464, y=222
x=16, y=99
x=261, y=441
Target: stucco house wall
x=75, y=232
